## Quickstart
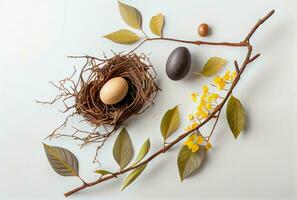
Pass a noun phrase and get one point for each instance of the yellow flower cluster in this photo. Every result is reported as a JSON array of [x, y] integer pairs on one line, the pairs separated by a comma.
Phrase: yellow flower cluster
[[195, 141], [206, 102], [192, 126], [204, 107], [220, 82]]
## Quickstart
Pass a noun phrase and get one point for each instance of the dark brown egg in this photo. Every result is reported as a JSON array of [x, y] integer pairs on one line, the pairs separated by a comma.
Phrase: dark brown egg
[[178, 63]]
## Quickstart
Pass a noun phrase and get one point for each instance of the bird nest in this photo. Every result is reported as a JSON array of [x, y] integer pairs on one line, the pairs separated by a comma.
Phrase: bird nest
[[84, 90]]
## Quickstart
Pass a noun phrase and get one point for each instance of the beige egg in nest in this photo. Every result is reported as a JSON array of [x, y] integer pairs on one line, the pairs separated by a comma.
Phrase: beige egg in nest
[[115, 89]]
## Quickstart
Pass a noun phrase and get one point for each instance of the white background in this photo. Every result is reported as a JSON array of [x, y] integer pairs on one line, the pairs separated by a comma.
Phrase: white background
[[37, 36]]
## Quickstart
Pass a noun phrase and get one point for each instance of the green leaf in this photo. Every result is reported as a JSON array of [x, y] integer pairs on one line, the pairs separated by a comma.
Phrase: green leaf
[[143, 151], [133, 175], [123, 36], [61, 160], [235, 116], [170, 122], [103, 172], [123, 149], [130, 15], [156, 24], [188, 162], [212, 66]]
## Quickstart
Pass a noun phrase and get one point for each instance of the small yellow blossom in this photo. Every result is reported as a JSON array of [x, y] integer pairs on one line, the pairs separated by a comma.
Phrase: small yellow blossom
[[212, 97], [205, 89], [203, 97], [219, 82], [191, 142], [188, 128], [203, 114], [227, 76], [200, 107], [194, 147], [194, 97], [208, 146], [233, 75], [192, 126], [200, 139], [196, 114], [191, 117], [188, 142], [208, 106]]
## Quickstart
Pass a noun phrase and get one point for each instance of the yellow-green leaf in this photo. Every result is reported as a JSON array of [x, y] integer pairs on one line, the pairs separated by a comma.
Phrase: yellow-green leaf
[[123, 149], [123, 36], [143, 151], [156, 24], [235, 115], [62, 160], [133, 175], [213, 66], [103, 172], [188, 162], [130, 15], [170, 122]]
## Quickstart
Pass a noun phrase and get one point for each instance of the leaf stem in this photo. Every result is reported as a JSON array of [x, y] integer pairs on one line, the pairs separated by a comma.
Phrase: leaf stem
[[215, 124], [248, 59], [145, 35]]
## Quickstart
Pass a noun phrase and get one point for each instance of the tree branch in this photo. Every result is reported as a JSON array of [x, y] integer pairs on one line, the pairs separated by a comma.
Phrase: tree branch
[[247, 60]]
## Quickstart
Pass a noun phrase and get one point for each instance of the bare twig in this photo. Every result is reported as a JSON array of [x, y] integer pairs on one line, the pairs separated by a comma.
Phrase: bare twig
[[236, 66], [254, 58], [214, 125]]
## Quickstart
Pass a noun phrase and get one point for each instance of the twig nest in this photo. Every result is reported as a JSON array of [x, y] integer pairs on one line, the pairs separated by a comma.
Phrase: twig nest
[[114, 90]]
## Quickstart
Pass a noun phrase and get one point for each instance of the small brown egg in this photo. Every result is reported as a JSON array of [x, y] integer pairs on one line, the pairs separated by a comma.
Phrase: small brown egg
[[203, 30], [113, 91]]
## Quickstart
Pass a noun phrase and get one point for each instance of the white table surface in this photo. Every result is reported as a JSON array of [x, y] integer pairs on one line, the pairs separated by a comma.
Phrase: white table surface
[[35, 38]]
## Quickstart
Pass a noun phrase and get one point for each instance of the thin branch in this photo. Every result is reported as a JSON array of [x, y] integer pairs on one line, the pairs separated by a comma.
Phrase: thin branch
[[88, 57], [236, 66], [260, 22], [194, 42], [254, 58], [214, 126]]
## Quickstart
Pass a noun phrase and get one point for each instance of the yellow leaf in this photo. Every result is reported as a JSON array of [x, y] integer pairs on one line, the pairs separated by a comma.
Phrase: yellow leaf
[[188, 161], [103, 172], [123, 36], [130, 15], [123, 149], [235, 116], [170, 122], [156, 24], [62, 160], [133, 175], [212, 66], [143, 151]]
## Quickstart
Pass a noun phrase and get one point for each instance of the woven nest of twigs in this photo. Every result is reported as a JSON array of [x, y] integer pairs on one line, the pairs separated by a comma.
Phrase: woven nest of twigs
[[135, 70], [83, 89]]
